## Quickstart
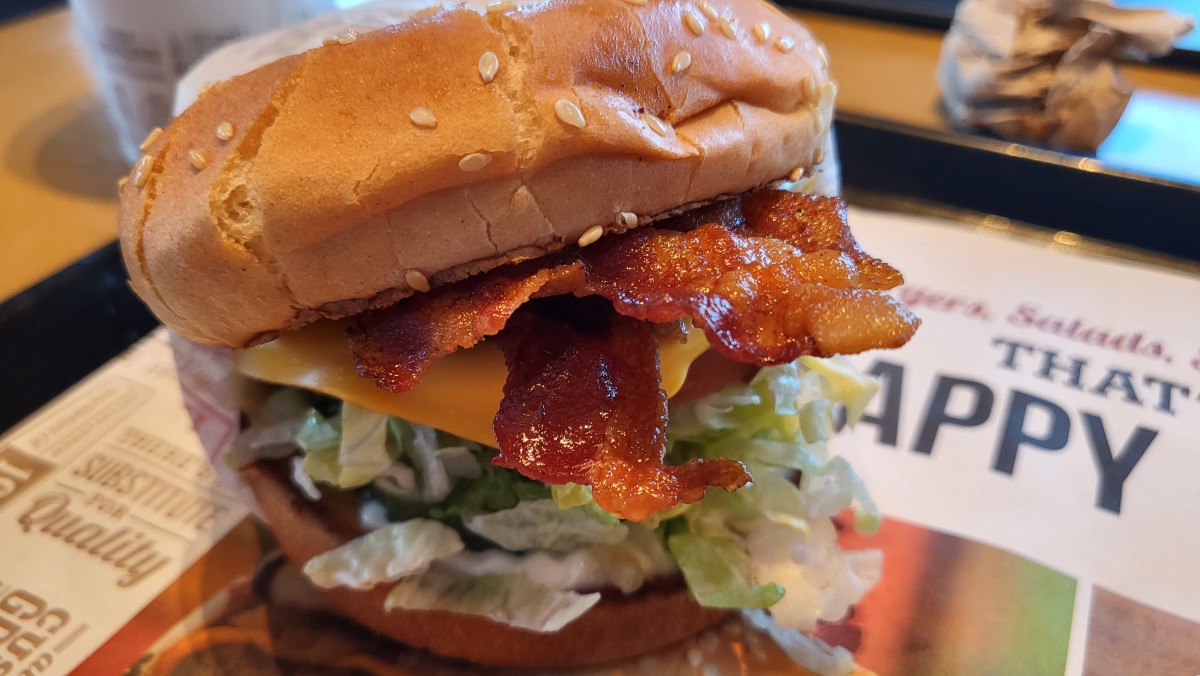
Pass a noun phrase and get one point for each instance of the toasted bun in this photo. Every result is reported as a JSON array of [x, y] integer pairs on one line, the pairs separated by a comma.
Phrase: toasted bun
[[618, 627], [328, 194]]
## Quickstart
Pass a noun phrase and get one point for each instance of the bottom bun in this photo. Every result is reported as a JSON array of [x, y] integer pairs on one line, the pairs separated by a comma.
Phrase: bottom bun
[[618, 627]]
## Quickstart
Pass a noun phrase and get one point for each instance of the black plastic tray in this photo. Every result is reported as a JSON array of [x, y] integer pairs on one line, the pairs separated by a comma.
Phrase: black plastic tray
[[1059, 191]]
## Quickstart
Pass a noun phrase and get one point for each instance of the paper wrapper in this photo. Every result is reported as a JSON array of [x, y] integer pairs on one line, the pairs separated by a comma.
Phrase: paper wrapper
[[1043, 70], [210, 394]]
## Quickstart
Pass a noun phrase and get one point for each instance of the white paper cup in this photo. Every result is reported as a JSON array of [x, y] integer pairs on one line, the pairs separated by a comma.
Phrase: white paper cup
[[139, 48]]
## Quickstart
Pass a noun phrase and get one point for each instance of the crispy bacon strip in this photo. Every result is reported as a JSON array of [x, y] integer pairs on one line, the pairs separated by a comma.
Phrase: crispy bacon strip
[[812, 223], [588, 409], [395, 347], [759, 300], [778, 278]]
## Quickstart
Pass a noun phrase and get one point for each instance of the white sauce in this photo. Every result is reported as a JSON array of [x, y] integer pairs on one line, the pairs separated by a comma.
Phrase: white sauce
[[626, 566]]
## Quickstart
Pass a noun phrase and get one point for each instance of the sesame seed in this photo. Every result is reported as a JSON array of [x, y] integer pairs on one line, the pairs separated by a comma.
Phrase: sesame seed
[[785, 44], [626, 220], [637, 3], [681, 62], [654, 123], [199, 160], [823, 135], [422, 117], [329, 41], [417, 280], [349, 36], [726, 27], [121, 182], [828, 92], [489, 63], [693, 22], [150, 139], [141, 173], [762, 32], [500, 7], [796, 174], [818, 155], [569, 113], [591, 235], [225, 131], [474, 161], [430, 11], [708, 10], [808, 88]]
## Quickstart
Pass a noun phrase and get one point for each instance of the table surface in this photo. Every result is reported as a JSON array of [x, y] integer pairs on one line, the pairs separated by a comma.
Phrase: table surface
[[61, 161]]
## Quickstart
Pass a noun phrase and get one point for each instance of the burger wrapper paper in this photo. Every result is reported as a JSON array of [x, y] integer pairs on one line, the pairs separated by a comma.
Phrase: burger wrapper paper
[[210, 388], [1044, 70]]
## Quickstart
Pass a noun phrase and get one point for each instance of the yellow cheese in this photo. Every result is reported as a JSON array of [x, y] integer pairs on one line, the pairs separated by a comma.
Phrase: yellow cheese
[[460, 393]]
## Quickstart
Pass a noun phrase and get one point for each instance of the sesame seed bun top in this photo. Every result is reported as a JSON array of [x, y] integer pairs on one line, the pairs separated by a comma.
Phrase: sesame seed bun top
[[384, 164]]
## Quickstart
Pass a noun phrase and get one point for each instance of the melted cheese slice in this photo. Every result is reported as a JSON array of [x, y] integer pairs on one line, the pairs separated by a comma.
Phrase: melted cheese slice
[[460, 393]]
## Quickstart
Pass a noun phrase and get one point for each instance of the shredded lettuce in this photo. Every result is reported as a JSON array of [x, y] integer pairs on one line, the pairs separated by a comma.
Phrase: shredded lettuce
[[361, 455], [719, 574], [780, 421], [303, 481], [355, 446], [513, 599], [316, 434], [434, 468], [571, 495], [847, 385], [775, 534], [419, 445], [770, 545], [460, 462], [542, 524], [389, 553], [494, 489], [821, 583], [575, 495], [273, 430]]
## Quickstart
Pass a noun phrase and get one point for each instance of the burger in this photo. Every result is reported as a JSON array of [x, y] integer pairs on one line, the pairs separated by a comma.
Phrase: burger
[[535, 324]]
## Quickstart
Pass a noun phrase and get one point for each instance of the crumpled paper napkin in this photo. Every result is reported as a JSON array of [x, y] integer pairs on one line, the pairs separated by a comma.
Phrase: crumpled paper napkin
[[1043, 70]]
